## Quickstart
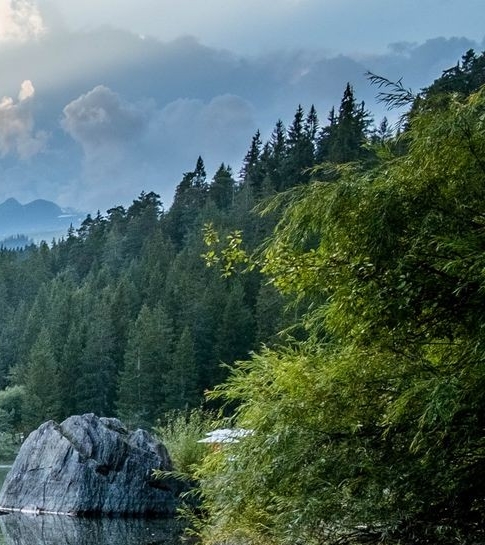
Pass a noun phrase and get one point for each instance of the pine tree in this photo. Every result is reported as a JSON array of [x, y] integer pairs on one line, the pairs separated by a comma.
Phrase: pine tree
[[182, 378], [42, 401], [325, 138], [275, 164], [95, 388], [148, 359], [235, 335], [252, 171], [222, 189], [190, 197], [349, 134], [300, 153]]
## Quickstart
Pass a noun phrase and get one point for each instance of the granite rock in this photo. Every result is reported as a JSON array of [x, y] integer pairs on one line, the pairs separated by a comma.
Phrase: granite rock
[[89, 466]]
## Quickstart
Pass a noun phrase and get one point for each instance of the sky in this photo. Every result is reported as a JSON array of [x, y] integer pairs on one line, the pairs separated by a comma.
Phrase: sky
[[104, 99]]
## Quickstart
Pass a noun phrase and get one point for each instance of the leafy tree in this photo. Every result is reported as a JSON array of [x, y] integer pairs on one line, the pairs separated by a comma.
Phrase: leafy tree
[[376, 425], [12, 400]]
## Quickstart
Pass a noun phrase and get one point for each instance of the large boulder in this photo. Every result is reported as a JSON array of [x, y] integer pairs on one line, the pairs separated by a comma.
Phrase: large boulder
[[87, 466]]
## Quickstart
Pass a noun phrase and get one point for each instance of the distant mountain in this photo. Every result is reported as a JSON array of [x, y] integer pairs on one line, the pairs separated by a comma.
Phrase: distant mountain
[[39, 219]]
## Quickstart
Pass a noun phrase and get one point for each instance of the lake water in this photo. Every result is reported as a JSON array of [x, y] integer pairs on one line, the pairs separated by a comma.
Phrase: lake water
[[23, 529]]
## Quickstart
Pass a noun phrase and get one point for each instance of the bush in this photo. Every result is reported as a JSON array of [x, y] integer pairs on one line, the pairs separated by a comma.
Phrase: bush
[[180, 434]]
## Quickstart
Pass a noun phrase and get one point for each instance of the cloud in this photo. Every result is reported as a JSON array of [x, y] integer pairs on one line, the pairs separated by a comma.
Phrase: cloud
[[126, 114], [20, 20], [133, 146], [17, 134], [101, 120], [252, 26], [192, 127]]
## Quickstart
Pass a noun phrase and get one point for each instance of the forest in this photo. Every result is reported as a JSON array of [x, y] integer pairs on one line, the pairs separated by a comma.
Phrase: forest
[[329, 297]]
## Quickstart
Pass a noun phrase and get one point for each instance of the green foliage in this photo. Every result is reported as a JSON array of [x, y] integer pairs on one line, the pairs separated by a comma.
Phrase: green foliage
[[8, 446], [373, 412], [148, 359], [182, 377], [180, 433], [12, 399], [377, 419], [41, 401]]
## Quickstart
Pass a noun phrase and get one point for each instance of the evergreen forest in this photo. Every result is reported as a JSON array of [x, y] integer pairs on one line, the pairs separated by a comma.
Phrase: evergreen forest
[[329, 297]]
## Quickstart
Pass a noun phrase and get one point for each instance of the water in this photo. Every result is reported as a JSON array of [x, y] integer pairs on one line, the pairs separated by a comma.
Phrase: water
[[24, 529]]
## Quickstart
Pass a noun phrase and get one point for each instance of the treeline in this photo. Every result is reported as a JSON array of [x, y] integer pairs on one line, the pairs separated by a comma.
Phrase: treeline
[[122, 317]]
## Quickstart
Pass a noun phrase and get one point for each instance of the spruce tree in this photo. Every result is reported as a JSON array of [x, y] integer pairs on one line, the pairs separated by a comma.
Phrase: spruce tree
[[142, 386], [182, 378], [42, 396]]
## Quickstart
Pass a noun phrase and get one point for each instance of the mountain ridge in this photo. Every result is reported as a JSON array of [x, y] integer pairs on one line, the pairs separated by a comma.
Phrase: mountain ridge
[[36, 218]]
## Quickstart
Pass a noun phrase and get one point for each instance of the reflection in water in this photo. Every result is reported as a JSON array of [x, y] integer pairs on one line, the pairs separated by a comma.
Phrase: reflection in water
[[23, 529]]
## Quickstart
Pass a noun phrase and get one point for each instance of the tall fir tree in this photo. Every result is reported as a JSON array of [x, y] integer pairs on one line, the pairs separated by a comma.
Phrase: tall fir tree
[[148, 358], [181, 383], [42, 395]]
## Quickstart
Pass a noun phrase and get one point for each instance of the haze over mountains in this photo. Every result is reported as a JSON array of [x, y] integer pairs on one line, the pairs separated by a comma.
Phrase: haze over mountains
[[39, 219]]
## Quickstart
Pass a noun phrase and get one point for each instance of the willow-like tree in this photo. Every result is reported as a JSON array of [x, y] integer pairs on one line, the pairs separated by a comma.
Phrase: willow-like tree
[[376, 420]]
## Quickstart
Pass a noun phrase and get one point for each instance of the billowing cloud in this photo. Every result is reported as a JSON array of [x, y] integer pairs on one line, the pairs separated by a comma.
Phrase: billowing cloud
[[218, 130], [130, 147], [100, 120], [126, 114], [20, 20], [17, 134]]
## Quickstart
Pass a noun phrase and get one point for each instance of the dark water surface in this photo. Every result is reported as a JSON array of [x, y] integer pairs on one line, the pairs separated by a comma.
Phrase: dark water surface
[[24, 529]]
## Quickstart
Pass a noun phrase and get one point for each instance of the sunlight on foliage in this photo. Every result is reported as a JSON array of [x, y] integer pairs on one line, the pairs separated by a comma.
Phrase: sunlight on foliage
[[379, 422]]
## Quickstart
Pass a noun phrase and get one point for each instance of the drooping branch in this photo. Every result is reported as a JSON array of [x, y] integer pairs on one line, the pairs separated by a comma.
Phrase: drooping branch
[[393, 93]]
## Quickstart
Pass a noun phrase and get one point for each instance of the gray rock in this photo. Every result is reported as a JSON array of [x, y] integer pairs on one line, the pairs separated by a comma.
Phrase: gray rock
[[86, 466]]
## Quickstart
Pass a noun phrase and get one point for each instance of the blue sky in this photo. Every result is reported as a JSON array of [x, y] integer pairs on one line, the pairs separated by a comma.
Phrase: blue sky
[[103, 99]]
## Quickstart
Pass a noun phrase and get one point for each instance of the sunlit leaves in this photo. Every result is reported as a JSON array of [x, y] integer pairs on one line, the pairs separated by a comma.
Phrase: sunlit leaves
[[377, 417]]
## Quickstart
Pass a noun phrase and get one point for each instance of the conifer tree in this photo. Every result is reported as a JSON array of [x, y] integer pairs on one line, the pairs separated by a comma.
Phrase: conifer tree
[[349, 134], [190, 198], [300, 153], [42, 396], [95, 388], [148, 359], [222, 189], [182, 377]]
